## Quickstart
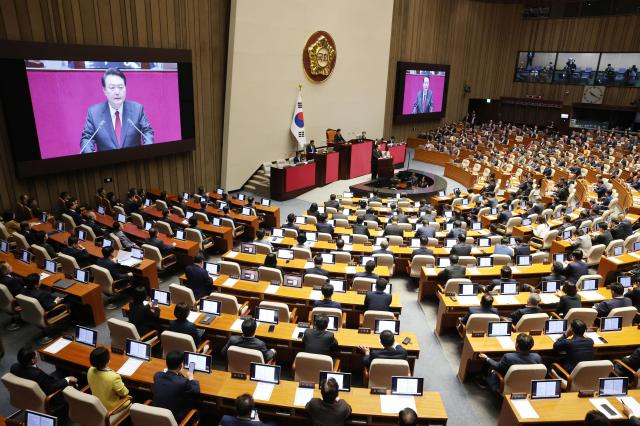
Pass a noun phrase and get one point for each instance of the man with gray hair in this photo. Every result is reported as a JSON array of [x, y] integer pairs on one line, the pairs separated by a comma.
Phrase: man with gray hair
[[532, 307]]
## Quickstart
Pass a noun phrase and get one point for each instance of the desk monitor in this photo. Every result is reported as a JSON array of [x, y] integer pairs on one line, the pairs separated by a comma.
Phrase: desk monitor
[[81, 275], [147, 225], [499, 328], [442, 194], [211, 307], [566, 234], [448, 227], [618, 250], [465, 201], [346, 212], [443, 262], [484, 242], [448, 214], [613, 386], [179, 235], [4, 246], [285, 254], [544, 389], [147, 202], [267, 315], [248, 248], [328, 258], [494, 210], [401, 385], [611, 324], [219, 191], [32, 418], [212, 268], [391, 325], [555, 326], [201, 362], [246, 211], [264, 373], [86, 336], [121, 218], [333, 321], [523, 261], [509, 288], [162, 297], [550, 286], [25, 256], [222, 205], [387, 289], [476, 226], [365, 259], [346, 238], [512, 241], [290, 280], [216, 221], [450, 242], [249, 274], [277, 232], [311, 236], [339, 286], [137, 349], [59, 226], [467, 289], [379, 240], [82, 235], [50, 266], [331, 222], [241, 196], [485, 262], [185, 196], [636, 246], [415, 243], [137, 253], [526, 222], [265, 202], [560, 257], [300, 220], [107, 242], [625, 280], [347, 195], [101, 210], [343, 379], [590, 284], [558, 214]]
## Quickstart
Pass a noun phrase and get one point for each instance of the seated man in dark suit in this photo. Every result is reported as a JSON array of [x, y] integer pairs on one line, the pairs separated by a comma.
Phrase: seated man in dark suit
[[359, 227], [618, 301], [26, 368], [504, 214], [154, 241], [144, 317], [425, 230], [32, 289], [388, 352], [371, 215], [523, 355], [369, 267], [182, 325], [77, 251], [326, 302], [532, 307], [452, 271], [461, 248], [332, 202], [521, 248], [132, 205], [319, 340], [604, 237], [244, 410], [330, 410], [72, 206], [248, 340], [378, 300], [198, 279], [402, 218], [317, 267], [14, 284], [291, 219], [424, 248], [573, 350], [90, 221], [632, 361], [323, 226], [556, 273], [576, 268], [457, 231], [174, 389], [393, 228], [384, 248], [117, 272], [486, 307], [166, 219]]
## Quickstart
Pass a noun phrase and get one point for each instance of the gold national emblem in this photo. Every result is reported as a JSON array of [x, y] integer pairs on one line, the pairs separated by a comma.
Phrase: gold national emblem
[[319, 56]]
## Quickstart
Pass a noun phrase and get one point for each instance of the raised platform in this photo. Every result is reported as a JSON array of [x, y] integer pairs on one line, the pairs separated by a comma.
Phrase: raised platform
[[402, 183]]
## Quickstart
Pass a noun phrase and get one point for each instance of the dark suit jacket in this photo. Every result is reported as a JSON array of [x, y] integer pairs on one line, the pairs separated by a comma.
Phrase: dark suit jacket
[[574, 350], [451, 271], [366, 274], [164, 248], [397, 352], [517, 314], [327, 304], [393, 229], [143, 317], [328, 414], [514, 358], [81, 256], [420, 106], [360, 229], [174, 392], [186, 327], [421, 251], [604, 238], [14, 284], [198, 280], [248, 343], [48, 383], [522, 250], [317, 271], [478, 310], [45, 298], [117, 272], [325, 227], [425, 231], [574, 270], [568, 302], [319, 342], [461, 249], [105, 138], [131, 206], [606, 306], [377, 301]]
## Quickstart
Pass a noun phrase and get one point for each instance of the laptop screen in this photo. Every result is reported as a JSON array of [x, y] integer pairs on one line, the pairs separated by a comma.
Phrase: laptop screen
[[407, 385], [343, 379], [137, 253], [285, 254], [241, 197], [101, 210], [590, 284], [216, 221], [526, 222], [328, 258], [347, 195], [509, 288], [476, 226], [82, 235], [555, 326], [121, 218], [449, 242], [138, 350], [179, 234], [499, 328], [333, 322], [346, 238], [200, 362], [86, 336], [560, 257], [311, 236], [625, 280], [485, 262], [264, 373], [50, 266], [107, 242], [81, 275], [246, 211], [300, 220], [267, 315], [277, 232], [391, 325], [484, 242], [524, 261], [550, 286], [443, 262], [541, 389], [32, 418], [613, 386], [387, 289], [248, 248], [4, 246], [467, 289], [211, 307], [566, 234], [265, 202], [162, 297], [212, 268], [249, 274], [147, 225], [292, 280], [415, 242], [339, 286], [617, 251], [365, 259], [611, 324]]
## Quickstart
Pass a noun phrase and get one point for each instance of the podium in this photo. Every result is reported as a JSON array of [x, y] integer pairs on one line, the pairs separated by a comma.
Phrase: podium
[[385, 167]]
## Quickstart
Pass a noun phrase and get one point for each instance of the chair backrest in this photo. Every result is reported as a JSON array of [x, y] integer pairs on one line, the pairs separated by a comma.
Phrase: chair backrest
[[362, 284], [192, 234], [239, 359], [143, 415], [384, 259], [586, 374], [69, 223], [182, 294], [342, 223], [371, 224], [309, 366], [163, 228], [228, 303], [91, 236], [530, 322], [595, 253], [229, 268], [587, 277], [282, 308], [360, 239], [539, 257], [501, 259], [396, 240], [342, 256], [24, 394], [161, 205], [229, 223], [153, 253], [628, 314], [103, 277], [4, 233], [137, 220], [177, 210], [20, 240], [612, 245], [629, 242], [480, 322], [270, 274], [303, 253], [313, 280], [262, 248], [323, 236], [548, 239], [452, 285], [172, 341], [330, 312], [312, 220], [39, 253], [116, 241], [381, 371], [84, 408], [586, 315], [6, 300], [290, 233], [418, 262], [514, 221], [32, 311], [120, 331], [467, 261], [369, 318], [518, 378]]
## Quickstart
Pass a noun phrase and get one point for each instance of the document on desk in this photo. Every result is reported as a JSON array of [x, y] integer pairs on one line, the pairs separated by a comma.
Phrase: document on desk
[[469, 300], [473, 270], [347, 247], [57, 346], [591, 296], [593, 336], [237, 325], [315, 295], [515, 270], [554, 337], [632, 403], [303, 395], [130, 367], [263, 391], [232, 254], [392, 404], [524, 409], [229, 282], [308, 265], [548, 298], [193, 316], [276, 240], [351, 270], [506, 300], [43, 275], [506, 342], [131, 262], [272, 289], [600, 403]]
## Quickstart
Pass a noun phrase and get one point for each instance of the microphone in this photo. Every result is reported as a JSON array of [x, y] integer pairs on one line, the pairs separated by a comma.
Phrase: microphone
[[92, 136], [139, 131]]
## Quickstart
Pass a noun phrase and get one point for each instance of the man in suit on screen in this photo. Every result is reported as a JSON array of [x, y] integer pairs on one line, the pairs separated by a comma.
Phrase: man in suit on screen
[[116, 123], [424, 99]]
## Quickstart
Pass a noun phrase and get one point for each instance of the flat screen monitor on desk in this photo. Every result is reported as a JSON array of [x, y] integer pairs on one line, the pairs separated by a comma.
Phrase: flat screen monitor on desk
[[510, 288], [443, 262], [290, 280], [499, 328], [523, 261], [391, 325], [544, 389], [550, 286], [485, 262], [611, 324], [137, 349], [339, 286], [401, 385], [613, 386], [555, 326], [264, 373], [625, 280], [270, 316], [343, 379], [32, 418], [590, 284], [201, 362], [86, 336], [211, 307], [467, 289], [484, 242]]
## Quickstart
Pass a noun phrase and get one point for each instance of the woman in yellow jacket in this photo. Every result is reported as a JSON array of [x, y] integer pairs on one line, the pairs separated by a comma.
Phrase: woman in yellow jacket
[[105, 383]]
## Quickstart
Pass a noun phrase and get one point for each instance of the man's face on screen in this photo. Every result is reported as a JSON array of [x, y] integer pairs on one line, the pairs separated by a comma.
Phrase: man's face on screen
[[425, 84], [115, 90]]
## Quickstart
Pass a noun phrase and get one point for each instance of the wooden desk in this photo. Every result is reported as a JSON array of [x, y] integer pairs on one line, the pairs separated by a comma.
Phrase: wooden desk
[[185, 250], [290, 181], [610, 266], [433, 157], [218, 387], [89, 294], [458, 174], [619, 343]]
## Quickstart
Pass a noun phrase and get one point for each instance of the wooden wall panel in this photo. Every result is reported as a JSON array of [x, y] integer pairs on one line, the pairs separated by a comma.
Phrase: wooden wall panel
[[199, 25], [480, 41]]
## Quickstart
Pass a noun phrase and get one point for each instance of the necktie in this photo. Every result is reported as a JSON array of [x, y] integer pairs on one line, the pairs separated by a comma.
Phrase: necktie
[[118, 127], [424, 100]]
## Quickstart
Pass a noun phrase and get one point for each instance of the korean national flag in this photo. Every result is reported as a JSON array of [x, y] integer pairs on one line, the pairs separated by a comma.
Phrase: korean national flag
[[297, 123]]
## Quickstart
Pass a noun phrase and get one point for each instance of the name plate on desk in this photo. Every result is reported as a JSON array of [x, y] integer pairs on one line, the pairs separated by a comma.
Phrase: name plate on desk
[[378, 391], [477, 334], [240, 376], [363, 330]]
